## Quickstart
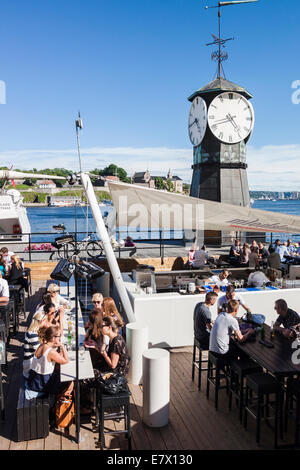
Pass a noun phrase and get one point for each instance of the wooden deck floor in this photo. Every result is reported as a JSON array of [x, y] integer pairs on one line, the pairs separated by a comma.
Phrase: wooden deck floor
[[194, 422]]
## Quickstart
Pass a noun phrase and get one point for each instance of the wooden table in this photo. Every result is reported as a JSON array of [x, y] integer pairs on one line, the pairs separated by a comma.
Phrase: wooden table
[[277, 360]]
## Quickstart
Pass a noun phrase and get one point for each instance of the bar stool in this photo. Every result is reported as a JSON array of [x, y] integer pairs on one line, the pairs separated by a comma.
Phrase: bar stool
[[218, 368], [239, 369], [293, 393], [263, 385], [198, 362], [121, 401]]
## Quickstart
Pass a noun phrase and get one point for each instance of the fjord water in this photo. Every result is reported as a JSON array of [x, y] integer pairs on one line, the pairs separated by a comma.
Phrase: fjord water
[[42, 219]]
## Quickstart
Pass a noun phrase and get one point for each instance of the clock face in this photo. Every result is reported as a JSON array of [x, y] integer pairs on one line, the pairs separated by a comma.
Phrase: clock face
[[197, 120], [230, 117]]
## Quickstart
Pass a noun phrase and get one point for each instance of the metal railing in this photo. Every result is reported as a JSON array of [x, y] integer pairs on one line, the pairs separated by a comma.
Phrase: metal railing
[[144, 242]]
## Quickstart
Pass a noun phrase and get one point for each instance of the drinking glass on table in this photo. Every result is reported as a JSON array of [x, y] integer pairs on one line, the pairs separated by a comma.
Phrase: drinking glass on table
[[81, 352]]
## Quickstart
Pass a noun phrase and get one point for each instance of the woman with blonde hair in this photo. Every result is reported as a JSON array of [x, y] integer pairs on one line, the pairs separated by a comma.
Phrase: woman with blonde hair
[[56, 298], [43, 378], [16, 273], [31, 341], [110, 310]]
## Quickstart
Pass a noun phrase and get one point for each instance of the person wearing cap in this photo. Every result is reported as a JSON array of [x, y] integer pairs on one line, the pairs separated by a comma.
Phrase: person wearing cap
[[231, 295]]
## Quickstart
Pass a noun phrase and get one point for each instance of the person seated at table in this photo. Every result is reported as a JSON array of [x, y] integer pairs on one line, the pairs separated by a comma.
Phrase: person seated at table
[[4, 289], [54, 317], [253, 257], [234, 253], [254, 244], [6, 254], [191, 255], [43, 377], [231, 295], [116, 355], [258, 278], [202, 319], [281, 249], [56, 298], [45, 300], [244, 255], [262, 251], [220, 279], [110, 310], [129, 242], [3, 266], [200, 257], [291, 247], [223, 328], [31, 340], [273, 259], [93, 337], [287, 317], [16, 273], [97, 300]]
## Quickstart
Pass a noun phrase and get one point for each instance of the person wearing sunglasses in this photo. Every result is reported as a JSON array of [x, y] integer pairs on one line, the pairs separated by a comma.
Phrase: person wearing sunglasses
[[43, 378], [56, 298], [116, 355]]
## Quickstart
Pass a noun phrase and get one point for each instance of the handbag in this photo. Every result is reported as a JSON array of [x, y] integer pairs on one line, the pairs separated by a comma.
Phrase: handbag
[[112, 383], [64, 411]]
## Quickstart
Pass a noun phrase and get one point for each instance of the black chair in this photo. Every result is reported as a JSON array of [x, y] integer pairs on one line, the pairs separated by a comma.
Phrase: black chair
[[218, 369], [197, 363], [3, 337], [27, 276], [2, 407], [263, 385], [239, 369], [121, 402]]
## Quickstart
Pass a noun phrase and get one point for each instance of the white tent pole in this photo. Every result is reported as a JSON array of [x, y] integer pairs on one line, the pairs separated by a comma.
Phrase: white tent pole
[[102, 232]]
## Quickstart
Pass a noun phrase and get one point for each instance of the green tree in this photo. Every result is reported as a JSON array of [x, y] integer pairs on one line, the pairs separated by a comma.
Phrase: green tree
[[159, 183], [169, 185]]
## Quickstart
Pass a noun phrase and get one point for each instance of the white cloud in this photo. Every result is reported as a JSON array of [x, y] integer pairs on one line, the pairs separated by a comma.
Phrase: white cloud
[[274, 168], [269, 167], [157, 160]]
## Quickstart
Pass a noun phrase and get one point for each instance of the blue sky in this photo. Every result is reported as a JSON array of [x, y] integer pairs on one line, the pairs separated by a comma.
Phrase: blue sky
[[129, 66]]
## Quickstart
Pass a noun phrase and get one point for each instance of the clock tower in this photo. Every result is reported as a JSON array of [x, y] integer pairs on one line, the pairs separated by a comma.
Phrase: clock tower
[[221, 120], [220, 124]]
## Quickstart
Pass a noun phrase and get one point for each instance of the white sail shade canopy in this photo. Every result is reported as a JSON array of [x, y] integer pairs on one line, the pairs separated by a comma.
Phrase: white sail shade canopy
[[151, 208]]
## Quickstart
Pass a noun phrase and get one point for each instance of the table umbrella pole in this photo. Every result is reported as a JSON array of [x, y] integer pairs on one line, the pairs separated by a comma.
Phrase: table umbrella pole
[[77, 388]]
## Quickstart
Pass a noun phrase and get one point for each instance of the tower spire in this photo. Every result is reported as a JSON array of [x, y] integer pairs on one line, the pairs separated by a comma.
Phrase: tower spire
[[219, 55]]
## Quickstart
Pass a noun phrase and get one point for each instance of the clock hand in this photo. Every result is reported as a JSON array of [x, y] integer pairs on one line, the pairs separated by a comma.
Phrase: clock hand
[[236, 127], [221, 121], [195, 122]]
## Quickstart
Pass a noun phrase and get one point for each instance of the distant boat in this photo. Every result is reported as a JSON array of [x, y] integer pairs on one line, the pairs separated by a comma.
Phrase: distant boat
[[274, 200]]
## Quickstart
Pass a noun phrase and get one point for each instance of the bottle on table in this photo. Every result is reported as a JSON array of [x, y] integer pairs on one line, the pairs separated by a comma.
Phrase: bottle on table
[[262, 331], [272, 331]]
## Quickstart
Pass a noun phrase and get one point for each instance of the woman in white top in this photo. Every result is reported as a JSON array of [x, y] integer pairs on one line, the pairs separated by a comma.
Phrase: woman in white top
[[31, 341], [42, 379], [57, 299]]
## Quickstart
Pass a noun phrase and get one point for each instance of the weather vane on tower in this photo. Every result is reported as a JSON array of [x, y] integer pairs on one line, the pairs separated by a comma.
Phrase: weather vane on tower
[[220, 55]]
